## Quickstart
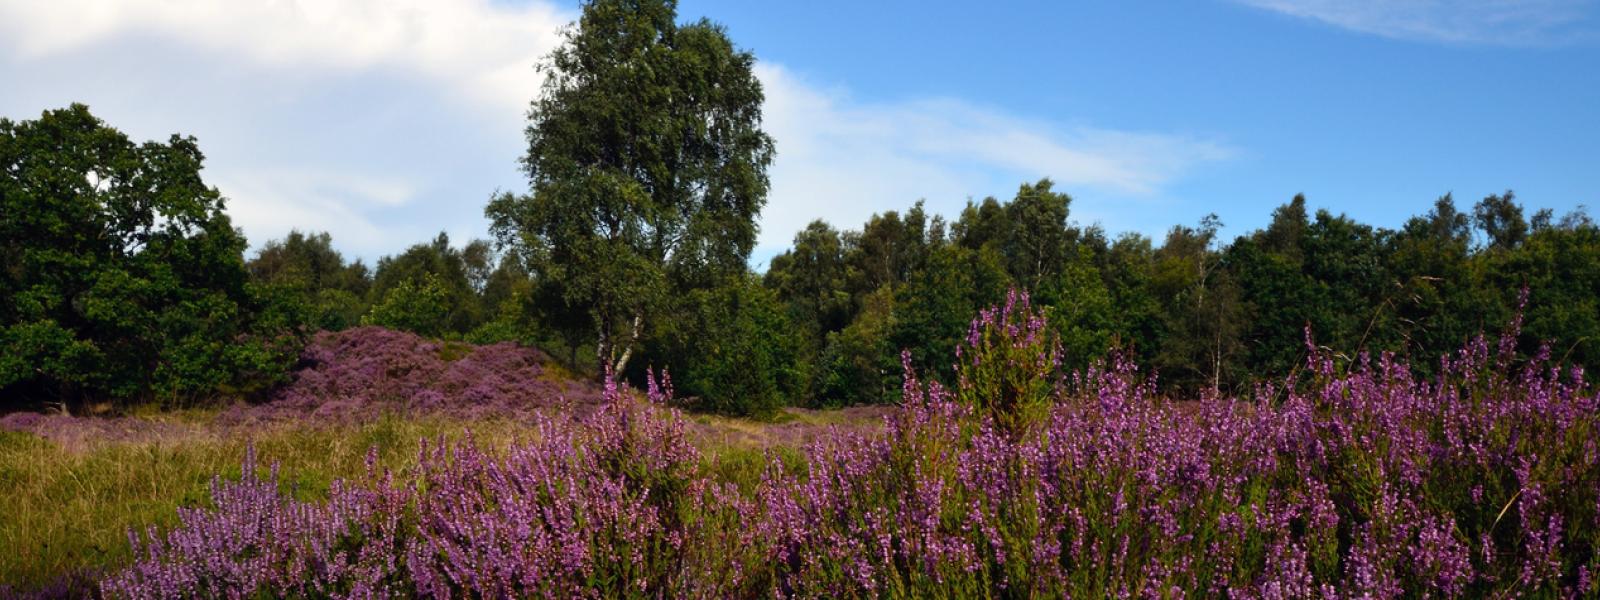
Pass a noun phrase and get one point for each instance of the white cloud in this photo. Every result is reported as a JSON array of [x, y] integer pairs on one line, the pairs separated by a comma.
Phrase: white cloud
[[1508, 22], [275, 206], [842, 160], [487, 49]]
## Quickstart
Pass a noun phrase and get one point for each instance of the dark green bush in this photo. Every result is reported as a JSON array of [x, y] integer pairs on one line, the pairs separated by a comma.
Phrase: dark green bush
[[122, 278]]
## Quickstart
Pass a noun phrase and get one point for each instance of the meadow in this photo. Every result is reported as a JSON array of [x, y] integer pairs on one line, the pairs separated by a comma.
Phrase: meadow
[[1017, 479]]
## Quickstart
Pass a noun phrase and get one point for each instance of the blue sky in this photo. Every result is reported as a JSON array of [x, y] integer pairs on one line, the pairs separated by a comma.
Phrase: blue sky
[[384, 121]]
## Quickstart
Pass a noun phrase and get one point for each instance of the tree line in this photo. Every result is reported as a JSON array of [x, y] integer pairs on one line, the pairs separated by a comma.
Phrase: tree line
[[1204, 313], [131, 285], [124, 280], [826, 323]]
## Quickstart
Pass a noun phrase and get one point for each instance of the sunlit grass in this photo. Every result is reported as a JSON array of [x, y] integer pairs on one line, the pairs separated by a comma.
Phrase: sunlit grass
[[69, 508]]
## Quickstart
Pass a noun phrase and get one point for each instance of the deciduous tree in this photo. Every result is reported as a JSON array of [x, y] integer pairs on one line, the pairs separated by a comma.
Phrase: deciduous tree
[[647, 166]]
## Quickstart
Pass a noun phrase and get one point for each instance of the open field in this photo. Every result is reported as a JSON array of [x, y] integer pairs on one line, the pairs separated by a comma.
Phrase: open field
[[71, 501], [76, 486]]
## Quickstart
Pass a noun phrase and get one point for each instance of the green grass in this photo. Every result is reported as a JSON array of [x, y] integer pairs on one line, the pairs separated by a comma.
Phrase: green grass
[[69, 509]]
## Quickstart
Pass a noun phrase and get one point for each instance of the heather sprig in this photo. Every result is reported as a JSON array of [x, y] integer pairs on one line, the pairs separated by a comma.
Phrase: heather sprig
[[1009, 364]]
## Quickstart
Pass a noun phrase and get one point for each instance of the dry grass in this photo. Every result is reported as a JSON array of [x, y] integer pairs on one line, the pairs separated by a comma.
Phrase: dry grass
[[70, 508], [69, 503]]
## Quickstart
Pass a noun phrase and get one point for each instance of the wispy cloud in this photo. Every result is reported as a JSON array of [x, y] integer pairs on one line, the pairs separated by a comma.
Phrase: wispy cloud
[[1504, 22], [843, 159], [484, 48], [286, 200]]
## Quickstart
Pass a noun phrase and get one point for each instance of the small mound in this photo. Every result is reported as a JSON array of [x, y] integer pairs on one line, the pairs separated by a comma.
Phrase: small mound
[[369, 370]]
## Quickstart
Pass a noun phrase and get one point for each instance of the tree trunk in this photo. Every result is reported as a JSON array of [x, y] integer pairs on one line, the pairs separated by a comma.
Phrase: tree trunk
[[602, 352], [606, 349], [633, 338], [1216, 365]]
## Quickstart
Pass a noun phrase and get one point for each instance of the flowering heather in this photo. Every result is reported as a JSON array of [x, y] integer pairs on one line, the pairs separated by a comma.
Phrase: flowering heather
[[1361, 481], [613, 504], [1008, 365], [258, 540], [371, 369]]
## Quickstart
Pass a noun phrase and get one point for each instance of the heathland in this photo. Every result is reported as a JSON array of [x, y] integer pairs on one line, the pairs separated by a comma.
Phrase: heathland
[[605, 399]]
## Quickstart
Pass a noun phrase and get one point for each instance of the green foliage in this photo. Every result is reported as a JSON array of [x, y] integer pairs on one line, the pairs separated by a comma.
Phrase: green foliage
[[858, 365], [1436, 281], [459, 275], [1206, 313], [983, 224], [647, 164], [1560, 267], [935, 306], [509, 290], [1270, 268], [886, 250], [1084, 316], [336, 309], [736, 351], [813, 276], [1500, 218], [510, 324], [1036, 244], [1201, 307], [1128, 270], [123, 278], [416, 306]]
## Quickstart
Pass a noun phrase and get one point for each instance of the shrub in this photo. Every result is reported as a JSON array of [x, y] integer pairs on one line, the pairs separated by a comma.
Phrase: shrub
[[257, 541], [122, 276], [510, 322], [737, 352], [367, 371], [1009, 365], [1368, 484], [612, 505]]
